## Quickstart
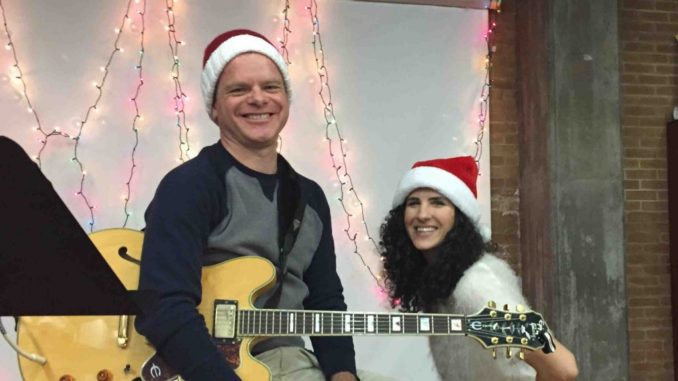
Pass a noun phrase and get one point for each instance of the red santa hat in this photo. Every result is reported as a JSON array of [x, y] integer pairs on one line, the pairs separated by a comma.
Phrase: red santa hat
[[229, 45], [455, 178]]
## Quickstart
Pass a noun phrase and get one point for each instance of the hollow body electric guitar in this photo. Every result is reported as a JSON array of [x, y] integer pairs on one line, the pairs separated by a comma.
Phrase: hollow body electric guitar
[[107, 348]]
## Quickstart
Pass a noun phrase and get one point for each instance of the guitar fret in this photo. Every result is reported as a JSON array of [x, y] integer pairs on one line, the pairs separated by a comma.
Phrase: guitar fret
[[410, 324], [290, 325], [276, 322], [347, 323], [308, 322], [395, 324], [270, 319], [357, 323], [283, 321], [424, 324], [270, 322]]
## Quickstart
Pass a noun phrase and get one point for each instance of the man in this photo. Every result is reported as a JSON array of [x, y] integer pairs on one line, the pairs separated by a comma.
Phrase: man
[[222, 205]]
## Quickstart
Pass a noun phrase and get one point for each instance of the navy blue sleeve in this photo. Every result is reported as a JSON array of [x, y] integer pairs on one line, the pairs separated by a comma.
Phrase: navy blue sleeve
[[178, 224], [335, 354]]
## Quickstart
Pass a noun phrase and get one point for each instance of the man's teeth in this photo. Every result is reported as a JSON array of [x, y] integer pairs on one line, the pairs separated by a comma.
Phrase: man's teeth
[[426, 229], [258, 116]]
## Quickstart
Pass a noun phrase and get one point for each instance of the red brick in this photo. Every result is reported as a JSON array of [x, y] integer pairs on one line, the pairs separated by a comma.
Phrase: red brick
[[641, 153], [667, 6], [639, 90], [640, 174], [653, 184], [632, 184], [640, 195], [653, 16], [651, 206], [666, 69], [636, 46], [638, 4]]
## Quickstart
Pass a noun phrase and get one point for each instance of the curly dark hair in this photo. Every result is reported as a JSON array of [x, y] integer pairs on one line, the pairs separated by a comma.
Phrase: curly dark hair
[[412, 282]]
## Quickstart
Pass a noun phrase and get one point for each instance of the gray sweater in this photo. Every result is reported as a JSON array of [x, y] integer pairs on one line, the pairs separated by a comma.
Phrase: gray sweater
[[213, 208]]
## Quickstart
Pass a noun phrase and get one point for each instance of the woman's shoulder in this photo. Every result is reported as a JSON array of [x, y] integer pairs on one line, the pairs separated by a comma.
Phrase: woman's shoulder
[[489, 278]]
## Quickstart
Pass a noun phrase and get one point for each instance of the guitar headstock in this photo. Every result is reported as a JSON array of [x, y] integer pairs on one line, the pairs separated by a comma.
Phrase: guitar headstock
[[495, 328]]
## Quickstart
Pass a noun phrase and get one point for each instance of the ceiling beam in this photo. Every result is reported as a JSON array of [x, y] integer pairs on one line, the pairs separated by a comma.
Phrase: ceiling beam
[[474, 4]]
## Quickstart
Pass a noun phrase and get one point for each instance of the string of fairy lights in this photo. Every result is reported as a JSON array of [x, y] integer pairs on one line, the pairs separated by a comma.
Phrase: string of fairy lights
[[77, 138], [336, 143], [180, 97], [485, 91], [286, 30], [19, 75], [340, 167], [99, 85], [137, 116]]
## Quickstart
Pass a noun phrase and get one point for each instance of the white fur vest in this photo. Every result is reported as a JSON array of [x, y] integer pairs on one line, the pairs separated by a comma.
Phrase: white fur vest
[[463, 358]]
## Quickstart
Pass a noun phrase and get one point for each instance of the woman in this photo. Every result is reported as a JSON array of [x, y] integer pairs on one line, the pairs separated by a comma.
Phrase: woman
[[438, 258]]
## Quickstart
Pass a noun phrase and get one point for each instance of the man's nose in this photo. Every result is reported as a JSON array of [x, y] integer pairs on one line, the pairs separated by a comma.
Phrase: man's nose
[[257, 96]]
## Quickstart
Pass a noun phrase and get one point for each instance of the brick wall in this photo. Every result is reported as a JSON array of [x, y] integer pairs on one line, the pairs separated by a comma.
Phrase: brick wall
[[504, 139], [649, 77]]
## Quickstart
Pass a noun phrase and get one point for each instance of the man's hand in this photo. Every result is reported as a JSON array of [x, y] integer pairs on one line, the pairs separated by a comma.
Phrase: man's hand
[[343, 376]]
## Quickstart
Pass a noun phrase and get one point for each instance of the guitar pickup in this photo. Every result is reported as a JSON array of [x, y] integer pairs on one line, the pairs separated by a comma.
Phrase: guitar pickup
[[225, 320]]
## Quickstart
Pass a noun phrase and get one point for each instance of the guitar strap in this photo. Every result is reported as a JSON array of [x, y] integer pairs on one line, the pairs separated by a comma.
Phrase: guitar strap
[[289, 198]]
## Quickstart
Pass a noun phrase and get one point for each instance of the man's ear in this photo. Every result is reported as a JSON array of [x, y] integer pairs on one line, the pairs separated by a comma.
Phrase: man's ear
[[213, 114]]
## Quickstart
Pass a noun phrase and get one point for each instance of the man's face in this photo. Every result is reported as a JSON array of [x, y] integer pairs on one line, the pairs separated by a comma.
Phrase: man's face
[[250, 102]]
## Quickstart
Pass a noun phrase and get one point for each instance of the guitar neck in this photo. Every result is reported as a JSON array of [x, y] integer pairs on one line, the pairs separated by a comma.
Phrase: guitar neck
[[340, 323]]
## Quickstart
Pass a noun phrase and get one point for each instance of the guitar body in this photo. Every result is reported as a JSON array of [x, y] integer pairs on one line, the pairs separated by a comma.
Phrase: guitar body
[[243, 280], [80, 347], [86, 347]]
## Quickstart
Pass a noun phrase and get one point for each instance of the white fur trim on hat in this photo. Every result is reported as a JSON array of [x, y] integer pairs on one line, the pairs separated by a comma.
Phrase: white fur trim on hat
[[228, 50], [446, 184]]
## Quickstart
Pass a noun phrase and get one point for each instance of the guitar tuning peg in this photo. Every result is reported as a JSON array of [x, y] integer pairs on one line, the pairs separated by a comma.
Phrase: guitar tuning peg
[[506, 307], [520, 308], [509, 352], [521, 354], [494, 354], [492, 304]]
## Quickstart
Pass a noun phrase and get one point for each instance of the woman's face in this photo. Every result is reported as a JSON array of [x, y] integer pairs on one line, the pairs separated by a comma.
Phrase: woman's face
[[429, 216]]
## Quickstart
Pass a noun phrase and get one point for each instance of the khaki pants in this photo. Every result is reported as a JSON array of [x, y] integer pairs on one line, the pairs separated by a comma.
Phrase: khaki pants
[[298, 364]]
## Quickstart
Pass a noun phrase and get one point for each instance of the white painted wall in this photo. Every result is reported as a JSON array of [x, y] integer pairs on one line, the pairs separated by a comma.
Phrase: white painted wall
[[405, 81]]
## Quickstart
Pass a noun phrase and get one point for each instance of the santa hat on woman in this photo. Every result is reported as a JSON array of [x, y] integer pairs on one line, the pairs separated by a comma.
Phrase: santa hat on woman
[[226, 47], [455, 178]]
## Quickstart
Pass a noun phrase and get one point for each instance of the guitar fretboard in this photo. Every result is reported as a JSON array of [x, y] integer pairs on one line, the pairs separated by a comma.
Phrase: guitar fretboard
[[324, 323]]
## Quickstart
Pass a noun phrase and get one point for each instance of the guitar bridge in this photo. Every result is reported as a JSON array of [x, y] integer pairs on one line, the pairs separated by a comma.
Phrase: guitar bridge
[[225, 320]]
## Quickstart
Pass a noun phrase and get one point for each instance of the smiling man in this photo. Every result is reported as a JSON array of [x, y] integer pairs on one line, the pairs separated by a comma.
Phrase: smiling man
[[235, 199]]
